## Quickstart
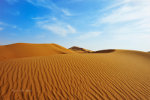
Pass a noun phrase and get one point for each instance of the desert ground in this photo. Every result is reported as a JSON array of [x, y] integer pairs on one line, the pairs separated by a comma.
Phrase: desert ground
[[52, 72]]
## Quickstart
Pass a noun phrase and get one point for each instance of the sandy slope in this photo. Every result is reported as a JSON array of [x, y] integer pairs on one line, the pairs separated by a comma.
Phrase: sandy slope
[[117, 75], [20, 50]]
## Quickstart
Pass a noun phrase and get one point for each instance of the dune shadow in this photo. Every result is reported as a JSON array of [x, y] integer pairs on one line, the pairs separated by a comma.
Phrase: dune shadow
[[105, 51], [63, 53]]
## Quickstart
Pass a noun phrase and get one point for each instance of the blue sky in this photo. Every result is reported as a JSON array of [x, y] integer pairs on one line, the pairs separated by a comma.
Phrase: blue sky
[[92, 24]]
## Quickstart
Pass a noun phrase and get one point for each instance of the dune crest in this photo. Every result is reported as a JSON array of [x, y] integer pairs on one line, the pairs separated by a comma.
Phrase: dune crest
[[20, 50]]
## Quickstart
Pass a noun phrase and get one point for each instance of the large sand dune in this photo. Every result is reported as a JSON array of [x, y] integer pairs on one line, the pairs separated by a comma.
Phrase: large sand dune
[[116, 75], [20, 50]]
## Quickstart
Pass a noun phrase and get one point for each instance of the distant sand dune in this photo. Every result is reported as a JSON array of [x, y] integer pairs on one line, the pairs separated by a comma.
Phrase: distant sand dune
[[80, 50], [119, 75], [20, 50]]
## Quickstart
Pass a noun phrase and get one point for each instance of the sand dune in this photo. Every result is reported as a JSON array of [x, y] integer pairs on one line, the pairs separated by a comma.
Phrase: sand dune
[[80, 50], [117, 75], [20, 50]]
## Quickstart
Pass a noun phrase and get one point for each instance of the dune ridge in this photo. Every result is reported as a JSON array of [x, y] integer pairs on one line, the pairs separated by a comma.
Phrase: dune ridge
[[118, 75], [20, 50]]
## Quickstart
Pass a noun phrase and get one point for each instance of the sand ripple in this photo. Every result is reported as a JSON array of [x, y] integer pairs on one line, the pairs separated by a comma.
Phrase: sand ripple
[[112, 76]]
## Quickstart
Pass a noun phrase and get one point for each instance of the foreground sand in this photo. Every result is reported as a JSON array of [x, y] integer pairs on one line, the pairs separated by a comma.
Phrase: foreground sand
[[117, 75]]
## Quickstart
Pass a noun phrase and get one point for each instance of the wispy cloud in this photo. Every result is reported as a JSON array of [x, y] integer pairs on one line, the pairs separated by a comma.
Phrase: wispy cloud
[[43, 3], [57, 27], [46, 18], [50, 5], [126, 22], [128, 17], [89, 35], [66, 12], [130, 10], [3, 24], [1, 28], [127, 13]]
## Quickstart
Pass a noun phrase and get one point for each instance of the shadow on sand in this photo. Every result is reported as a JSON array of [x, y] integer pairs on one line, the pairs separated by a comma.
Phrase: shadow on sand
[[105, 51]]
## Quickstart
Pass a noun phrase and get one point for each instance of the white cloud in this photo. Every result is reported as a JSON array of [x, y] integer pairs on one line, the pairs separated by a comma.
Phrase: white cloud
[[89, 35], [114, 5], [54, 18], [43, 3], [72, 30], [46, 18], [66, 12], [127, 13], [3, 24], [50, 5], [1, 28], [127, 22], [129, 17], [59, 28]]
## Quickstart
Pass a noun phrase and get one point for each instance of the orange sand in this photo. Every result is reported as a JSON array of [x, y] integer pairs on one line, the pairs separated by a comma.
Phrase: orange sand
[[116, 75], [20, 50]]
